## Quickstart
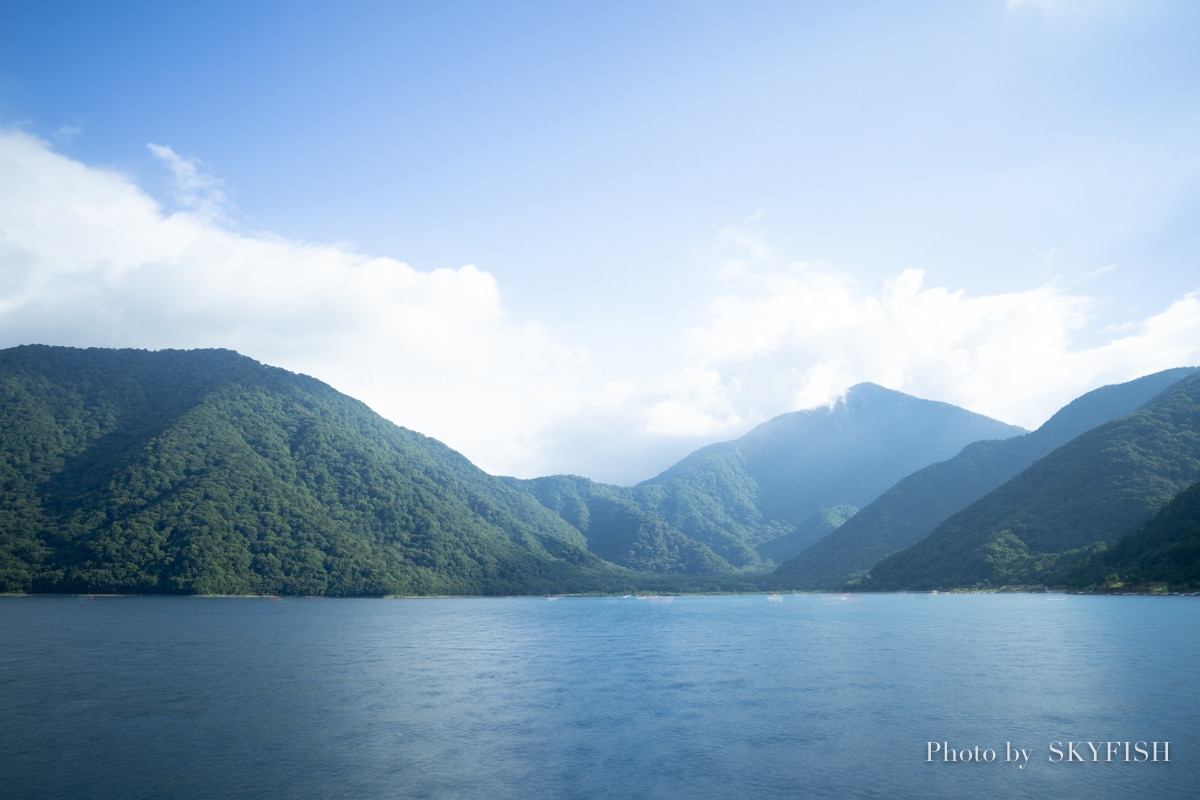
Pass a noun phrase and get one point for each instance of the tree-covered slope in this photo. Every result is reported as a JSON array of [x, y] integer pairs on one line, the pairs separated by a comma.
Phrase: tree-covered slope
[[1063, 509], [206, 472], [1164, 552], [619, 530], [913, 507]]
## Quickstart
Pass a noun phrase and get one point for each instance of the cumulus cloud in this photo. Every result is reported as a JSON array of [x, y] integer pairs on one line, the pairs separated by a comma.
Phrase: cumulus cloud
[[786, 335]]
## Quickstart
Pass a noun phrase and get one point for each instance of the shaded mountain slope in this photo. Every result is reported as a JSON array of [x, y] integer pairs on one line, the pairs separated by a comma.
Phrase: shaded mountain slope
[[775, 478], [854, 449], [813, 529], [913, 507], [206, 472], [1093, 490]]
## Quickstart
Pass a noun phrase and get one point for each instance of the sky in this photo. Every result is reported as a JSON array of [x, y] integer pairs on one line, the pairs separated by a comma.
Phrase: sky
[[590, 237]]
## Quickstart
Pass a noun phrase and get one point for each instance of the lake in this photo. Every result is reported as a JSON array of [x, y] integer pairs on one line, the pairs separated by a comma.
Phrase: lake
[[753, 696]]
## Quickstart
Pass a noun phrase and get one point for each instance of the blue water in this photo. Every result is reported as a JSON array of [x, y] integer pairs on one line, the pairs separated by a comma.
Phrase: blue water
[[699, 697]]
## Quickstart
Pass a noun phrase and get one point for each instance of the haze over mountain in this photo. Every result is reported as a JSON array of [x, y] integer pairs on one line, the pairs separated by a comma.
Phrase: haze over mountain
[[915, 505]]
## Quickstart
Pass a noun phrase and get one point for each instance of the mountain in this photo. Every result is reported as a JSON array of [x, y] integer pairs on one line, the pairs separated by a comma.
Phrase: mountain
[[751, 502], [207, 472], [913, 507], [1066, 508]]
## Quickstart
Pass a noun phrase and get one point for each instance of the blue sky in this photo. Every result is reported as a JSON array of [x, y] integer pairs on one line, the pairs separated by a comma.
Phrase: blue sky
[[590, 237]]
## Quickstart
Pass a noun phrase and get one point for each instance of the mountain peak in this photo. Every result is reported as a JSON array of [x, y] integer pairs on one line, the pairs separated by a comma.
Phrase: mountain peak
[[873, 391], [847, 452], [881, 399], [868, 386]]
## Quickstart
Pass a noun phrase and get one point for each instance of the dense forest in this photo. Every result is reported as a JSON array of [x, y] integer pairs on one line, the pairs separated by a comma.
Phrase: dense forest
[[205, 472]]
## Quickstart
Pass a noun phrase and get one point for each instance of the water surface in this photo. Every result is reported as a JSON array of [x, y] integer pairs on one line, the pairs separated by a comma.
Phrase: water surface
[[689, 697]]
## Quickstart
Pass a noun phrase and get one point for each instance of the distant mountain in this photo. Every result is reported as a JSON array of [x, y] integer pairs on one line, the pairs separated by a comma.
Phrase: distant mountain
[[207, 472], [773, 492], [1066, 508], [913, 507]]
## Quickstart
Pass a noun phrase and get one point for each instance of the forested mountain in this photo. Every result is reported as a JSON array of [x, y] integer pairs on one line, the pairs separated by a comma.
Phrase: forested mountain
[[1066, 508], [913, 507], [749, 503], [206, 472]]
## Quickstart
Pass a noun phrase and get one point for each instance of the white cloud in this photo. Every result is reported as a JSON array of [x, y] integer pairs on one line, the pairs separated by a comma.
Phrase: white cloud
[[1096, 273], [195, 187], [791, 335]]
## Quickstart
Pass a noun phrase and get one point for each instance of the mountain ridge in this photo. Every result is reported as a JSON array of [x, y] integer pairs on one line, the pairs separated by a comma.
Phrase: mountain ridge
[[916, 504], [1072, 503]]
